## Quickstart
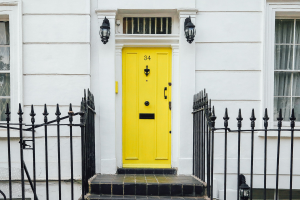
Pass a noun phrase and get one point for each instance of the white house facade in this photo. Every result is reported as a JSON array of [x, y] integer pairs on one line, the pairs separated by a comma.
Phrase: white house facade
[[245, 54]]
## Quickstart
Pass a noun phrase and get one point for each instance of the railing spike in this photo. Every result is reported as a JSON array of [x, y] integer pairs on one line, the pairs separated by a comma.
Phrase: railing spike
[[70, 107], [7, 109], [266, 117], [240, 115], [226, 115], [293, 115], [20, 110], [45, 110], [280, 115], [57, 110], [252, 115]]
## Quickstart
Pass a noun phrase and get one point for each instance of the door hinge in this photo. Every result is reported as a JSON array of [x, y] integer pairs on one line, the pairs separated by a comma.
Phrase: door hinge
[[170, 83], [170, 105]]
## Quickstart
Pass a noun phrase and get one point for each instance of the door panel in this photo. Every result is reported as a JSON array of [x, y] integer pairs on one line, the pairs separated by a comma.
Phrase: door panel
[[146, 142]]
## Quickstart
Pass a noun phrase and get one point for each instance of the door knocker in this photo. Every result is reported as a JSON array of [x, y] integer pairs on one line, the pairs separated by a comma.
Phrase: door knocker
[[147, 71]]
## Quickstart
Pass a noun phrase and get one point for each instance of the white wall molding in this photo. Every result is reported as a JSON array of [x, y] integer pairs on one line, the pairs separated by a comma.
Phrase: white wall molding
[[106, 13]]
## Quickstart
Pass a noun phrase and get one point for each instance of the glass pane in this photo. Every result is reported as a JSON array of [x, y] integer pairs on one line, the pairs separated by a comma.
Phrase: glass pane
[[283, 103], [4, 58], [124, 25], [4, 84], [284, 31], [4, 33], [283, 57], [152, 25], [297, 57], [129, 25], [296, 106], [141, 25], [297, 31], [169, 25], [282, 84], [3, 103], [147, 26], [135, 26], [296, 84]]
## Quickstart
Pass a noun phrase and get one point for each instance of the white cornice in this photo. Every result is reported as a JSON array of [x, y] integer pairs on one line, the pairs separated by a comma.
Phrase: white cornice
[[187, 11], [107, 13], [9, 3], [146, 40]]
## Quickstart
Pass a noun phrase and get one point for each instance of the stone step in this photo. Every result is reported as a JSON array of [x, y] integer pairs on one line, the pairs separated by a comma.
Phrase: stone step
[[147, 171], [146, 185], [127, 197]]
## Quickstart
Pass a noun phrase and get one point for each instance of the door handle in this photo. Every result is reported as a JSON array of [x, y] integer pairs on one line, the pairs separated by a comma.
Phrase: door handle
[[165, 92]]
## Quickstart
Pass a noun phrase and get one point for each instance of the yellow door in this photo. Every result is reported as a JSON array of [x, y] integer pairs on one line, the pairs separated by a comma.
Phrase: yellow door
[[146, 107]]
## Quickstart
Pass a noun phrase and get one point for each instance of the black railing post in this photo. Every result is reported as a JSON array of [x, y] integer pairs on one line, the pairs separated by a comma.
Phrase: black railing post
[[265, 118], [194, 134], [46, 150], [82, 127], [32, 114], [20, 113], [239, 125], [8, 150], [292, 118], [71, 113], [252, 118], [57, 113], [226, 118], [279, 124], [203, 133], [212, 118]]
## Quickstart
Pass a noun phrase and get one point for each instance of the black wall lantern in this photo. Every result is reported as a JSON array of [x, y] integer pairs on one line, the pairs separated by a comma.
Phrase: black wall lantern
[[244, 188], [105, 31], [189, 29]]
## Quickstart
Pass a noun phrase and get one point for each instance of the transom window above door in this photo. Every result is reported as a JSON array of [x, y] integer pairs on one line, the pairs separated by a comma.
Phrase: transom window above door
[[147, 25]]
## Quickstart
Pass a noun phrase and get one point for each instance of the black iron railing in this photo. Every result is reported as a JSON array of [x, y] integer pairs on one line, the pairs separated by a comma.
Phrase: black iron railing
[[87, 129], [203, 145]]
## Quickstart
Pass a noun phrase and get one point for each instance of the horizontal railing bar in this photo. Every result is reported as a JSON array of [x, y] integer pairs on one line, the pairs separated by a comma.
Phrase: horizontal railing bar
[[56, 125], [92, 109], [255, 129]]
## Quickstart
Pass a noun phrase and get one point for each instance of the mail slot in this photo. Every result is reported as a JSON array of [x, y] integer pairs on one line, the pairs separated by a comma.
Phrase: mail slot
[[147, 116]]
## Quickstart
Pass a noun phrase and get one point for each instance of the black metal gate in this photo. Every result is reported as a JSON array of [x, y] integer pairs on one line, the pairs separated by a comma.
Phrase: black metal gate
[[205, 132], [86, 127]]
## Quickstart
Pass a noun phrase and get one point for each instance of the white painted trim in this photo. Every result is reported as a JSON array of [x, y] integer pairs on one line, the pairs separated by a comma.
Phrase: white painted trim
[[272, 9], [13, 9]]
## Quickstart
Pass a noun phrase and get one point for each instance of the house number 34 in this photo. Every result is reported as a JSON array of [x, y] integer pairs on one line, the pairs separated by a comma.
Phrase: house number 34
[[147, 58]]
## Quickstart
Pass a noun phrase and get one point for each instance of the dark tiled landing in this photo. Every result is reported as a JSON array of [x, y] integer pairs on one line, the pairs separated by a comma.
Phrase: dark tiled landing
[[146, 171], [147, 184], [101, 197]]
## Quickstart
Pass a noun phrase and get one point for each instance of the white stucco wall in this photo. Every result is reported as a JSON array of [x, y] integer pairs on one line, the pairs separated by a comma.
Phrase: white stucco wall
[[63, 54]]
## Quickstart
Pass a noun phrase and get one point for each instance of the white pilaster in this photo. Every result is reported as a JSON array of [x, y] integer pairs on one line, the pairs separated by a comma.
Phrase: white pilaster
[[107, 95], [119, 125], [175, 105], [186, 91]]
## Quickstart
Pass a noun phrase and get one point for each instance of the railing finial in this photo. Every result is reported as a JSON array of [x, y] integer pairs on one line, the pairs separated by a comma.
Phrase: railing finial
[[293, 118], [7, 112], [45, 113], [32, 114], [252, 118], [280, 118], [266, 118]]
